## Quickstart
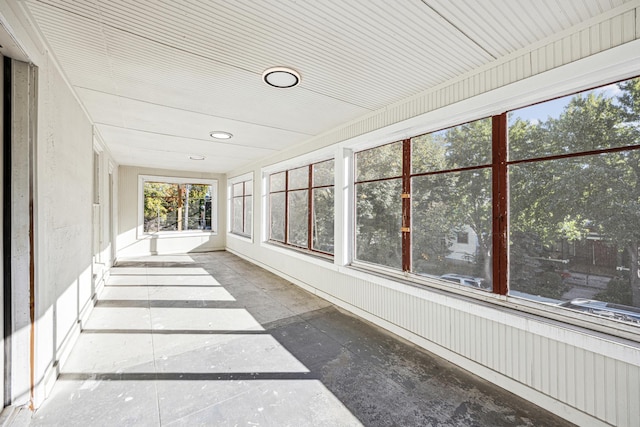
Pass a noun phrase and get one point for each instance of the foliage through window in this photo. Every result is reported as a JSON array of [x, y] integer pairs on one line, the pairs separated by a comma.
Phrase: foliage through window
[[575, 201], [541, 203], [434, 187], [301, 203], [176, 207]]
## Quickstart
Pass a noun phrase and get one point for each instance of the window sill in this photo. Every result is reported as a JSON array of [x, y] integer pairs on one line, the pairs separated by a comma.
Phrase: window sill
[[243, 237], [176, 234], [299, 253]]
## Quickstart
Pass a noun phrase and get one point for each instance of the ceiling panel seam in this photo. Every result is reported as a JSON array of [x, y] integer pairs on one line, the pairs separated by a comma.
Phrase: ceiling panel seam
[[485, 50]]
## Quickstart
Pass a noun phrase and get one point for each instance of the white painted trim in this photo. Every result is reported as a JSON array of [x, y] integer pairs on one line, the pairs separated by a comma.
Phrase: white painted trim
[[140, 234]]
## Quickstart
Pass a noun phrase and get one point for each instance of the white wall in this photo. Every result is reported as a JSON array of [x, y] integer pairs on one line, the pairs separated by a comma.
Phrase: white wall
[[132, 243], [558, 360], [63, 149]]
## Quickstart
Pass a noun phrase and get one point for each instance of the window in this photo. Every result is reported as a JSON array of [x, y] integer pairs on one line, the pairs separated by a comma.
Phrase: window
[[241, 207], [462, 238], [301, 206], [177, 205], [540, 203], [574, 185], [415, 199]]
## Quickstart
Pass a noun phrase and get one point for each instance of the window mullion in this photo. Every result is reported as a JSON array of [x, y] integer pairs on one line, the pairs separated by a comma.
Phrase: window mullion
[[286, 207], [244, 225], [500, 208], [406, 205]]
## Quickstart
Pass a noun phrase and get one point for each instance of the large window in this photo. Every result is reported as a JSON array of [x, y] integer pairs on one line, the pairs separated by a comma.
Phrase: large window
[[241, 207], [540, 203], [416, 198], [176, 205], [301, 204], [574, 181]]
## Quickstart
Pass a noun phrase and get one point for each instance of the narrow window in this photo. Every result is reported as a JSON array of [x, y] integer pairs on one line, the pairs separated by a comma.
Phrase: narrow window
[[574, 186], [241, 207], [301, 212]]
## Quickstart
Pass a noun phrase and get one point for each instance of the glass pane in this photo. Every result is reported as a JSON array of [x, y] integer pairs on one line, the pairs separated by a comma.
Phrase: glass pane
[[378, 222], [277, 182], [457, 147], [161, 201], [176, 207], [323, 218], [237, 215], [197, 206], [574, 229], [299, 178], [299, 218], [276, 202], [248, 214], [238, 189], [588, 121], [248, 187], [380, 162], [446, 207], [323, 173]]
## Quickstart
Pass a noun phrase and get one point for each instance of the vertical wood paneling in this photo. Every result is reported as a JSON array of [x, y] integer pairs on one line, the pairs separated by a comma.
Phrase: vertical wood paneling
[[590, 383], [552, 376], [610, 387], [629, 26], [599, 387], [580, 378], [562, 372], [570, 375], [616, 31], [594, 39], [605, 35], [621, 398], [633, 393]]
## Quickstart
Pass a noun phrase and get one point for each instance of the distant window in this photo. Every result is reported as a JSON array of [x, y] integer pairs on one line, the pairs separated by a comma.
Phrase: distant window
[[242, 207], [177, 206], [96, 178], [463, 238], [301, 204]]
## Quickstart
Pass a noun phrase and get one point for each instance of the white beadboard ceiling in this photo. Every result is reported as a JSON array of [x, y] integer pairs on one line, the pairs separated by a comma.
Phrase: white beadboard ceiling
[[156, 76]]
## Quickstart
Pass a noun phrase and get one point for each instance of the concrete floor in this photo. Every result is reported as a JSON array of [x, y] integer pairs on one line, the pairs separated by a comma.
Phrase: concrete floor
[[210, 339]]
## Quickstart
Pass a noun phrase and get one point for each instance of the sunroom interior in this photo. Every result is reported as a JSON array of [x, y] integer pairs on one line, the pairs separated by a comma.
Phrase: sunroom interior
[[465, 175]]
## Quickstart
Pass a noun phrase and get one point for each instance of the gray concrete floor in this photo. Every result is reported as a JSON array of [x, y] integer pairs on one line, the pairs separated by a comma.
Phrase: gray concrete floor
[[210, 339]]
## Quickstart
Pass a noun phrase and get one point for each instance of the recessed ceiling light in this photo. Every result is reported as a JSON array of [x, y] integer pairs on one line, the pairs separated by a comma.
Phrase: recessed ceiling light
[[282, 77], [196, 157], [219, 134]]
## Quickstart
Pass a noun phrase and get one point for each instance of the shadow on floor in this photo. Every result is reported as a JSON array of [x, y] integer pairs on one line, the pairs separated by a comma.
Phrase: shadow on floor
[[216, 340]]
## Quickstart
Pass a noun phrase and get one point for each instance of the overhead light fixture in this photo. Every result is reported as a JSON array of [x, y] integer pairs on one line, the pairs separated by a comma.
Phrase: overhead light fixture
[[219, 134], [282, 77], [196, 157]]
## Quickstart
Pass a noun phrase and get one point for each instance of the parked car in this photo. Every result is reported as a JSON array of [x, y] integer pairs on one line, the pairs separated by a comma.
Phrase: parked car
[[474, 282], [605, 309]]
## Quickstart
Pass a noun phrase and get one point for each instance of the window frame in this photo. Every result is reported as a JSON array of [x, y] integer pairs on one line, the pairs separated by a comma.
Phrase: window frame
[[499, 165], [247, 228], [406, 176], [309, 188], [142, 179]]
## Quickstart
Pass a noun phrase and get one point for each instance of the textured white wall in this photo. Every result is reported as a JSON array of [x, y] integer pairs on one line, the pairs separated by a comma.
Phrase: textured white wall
[[62, 214], [64, 220], [129, 244]]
